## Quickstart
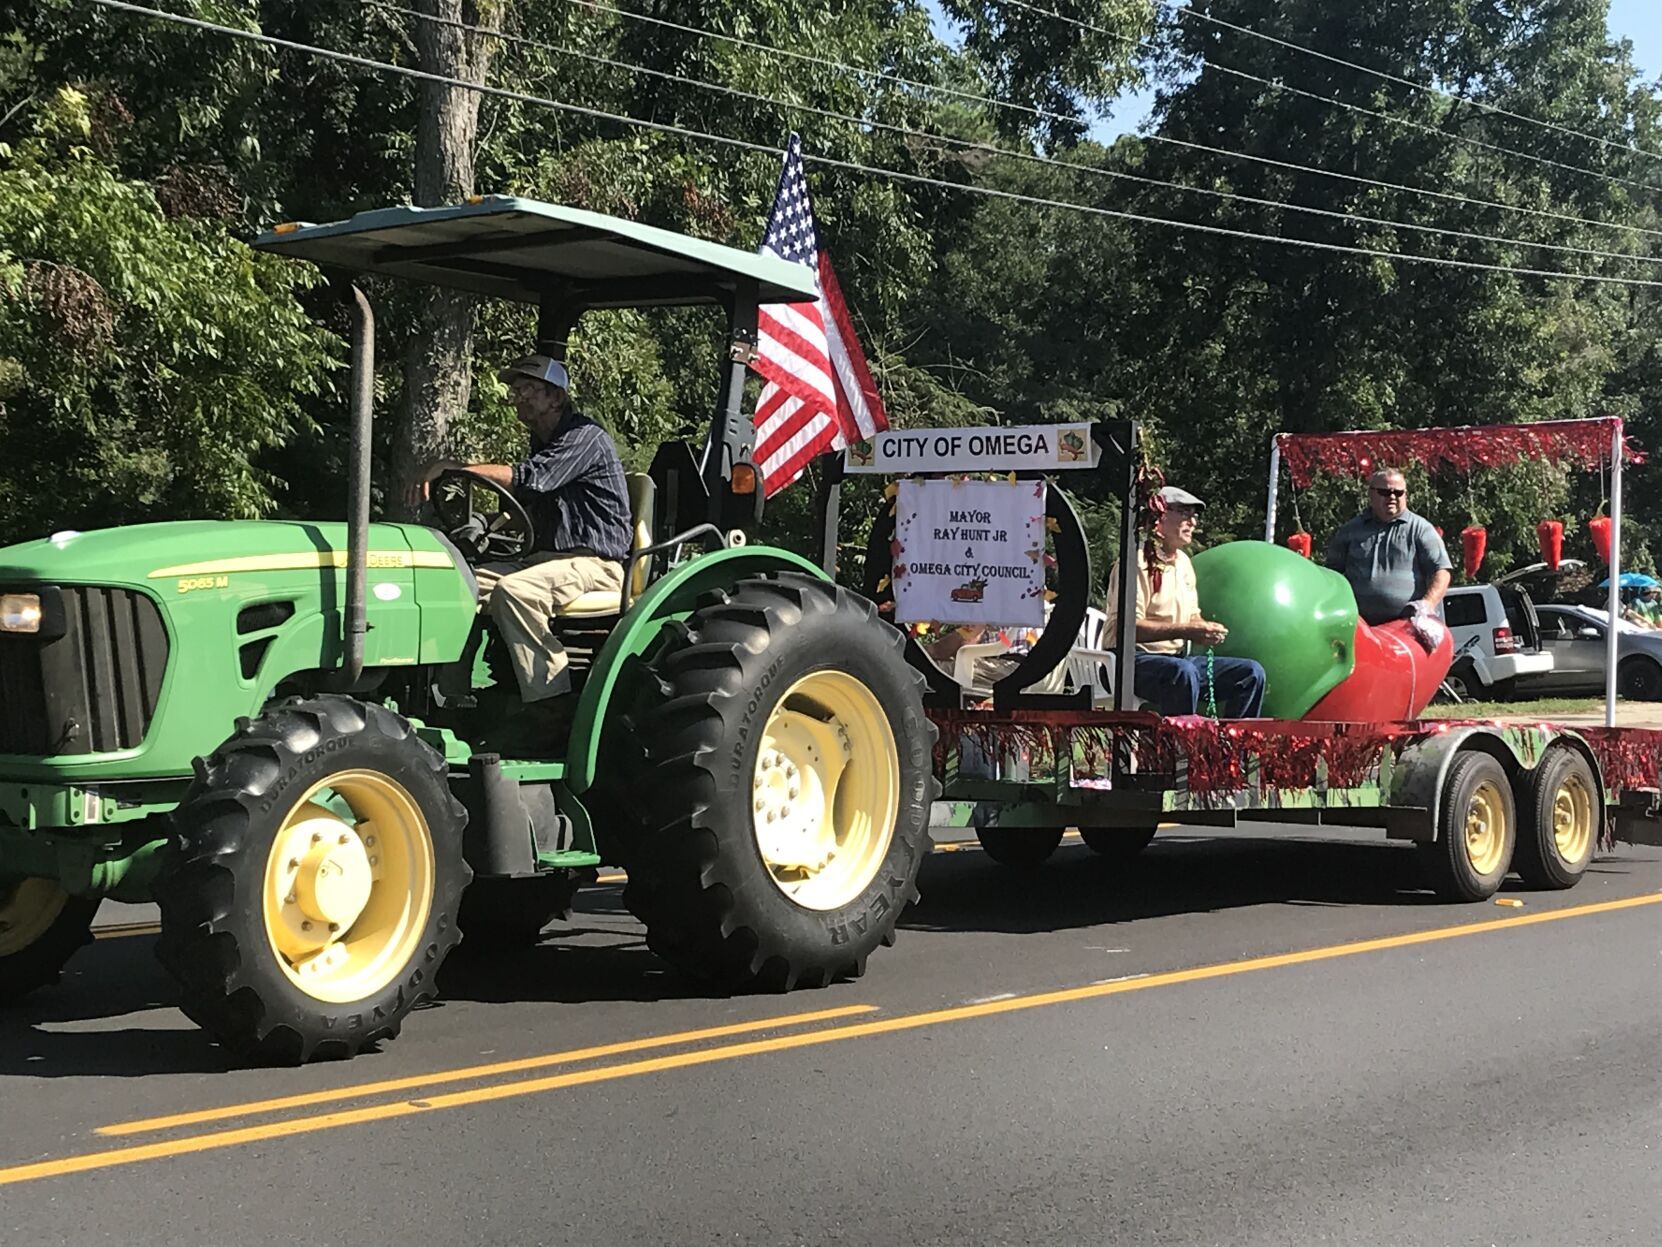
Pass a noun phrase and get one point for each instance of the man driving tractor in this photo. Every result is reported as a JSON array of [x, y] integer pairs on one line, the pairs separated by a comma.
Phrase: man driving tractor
[[572, 488]]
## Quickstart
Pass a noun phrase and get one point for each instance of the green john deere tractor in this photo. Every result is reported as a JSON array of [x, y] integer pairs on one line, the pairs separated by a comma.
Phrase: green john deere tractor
[[275, 730]]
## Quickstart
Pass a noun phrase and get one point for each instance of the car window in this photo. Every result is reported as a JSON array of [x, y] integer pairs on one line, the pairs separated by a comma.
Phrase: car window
[[1462, 610]]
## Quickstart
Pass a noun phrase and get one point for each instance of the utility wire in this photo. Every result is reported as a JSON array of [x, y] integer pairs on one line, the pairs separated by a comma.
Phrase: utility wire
[[852, 166], [994, 149], [1466, 140], [1047, 115], [1185, 12]]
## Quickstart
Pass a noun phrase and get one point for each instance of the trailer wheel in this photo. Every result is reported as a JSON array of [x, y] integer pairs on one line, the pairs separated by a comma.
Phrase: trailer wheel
[[1022, 847], [1118, 844], [41, 927], [770, 780], [310, 892], [501, 914], [1476, 830], [1561, 816]]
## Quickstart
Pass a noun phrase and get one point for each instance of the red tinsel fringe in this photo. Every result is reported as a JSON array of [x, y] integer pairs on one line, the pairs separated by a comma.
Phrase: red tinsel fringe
[[1223, 756], [1584, 442]]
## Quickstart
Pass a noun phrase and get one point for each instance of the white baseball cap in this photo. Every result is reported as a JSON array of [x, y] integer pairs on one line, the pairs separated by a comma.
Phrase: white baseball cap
[[1175, 497], [540, 367]]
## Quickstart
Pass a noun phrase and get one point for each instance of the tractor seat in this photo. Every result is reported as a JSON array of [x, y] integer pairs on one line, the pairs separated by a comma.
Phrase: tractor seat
[[642, 494]]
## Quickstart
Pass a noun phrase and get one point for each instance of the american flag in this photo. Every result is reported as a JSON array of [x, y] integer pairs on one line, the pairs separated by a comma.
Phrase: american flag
[[819, 394]]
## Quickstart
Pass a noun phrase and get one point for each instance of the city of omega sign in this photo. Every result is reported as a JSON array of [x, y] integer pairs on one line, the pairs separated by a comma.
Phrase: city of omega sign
[[1019, 448]]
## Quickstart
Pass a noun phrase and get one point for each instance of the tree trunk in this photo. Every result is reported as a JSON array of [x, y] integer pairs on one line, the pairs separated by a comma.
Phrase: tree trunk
[[438, 366]]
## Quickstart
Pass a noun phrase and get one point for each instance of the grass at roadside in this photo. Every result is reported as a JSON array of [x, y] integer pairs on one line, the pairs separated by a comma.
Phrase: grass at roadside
[[1547, 708]]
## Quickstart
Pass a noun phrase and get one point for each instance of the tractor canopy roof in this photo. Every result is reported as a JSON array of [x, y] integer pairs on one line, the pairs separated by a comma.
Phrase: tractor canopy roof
[[527, 251]]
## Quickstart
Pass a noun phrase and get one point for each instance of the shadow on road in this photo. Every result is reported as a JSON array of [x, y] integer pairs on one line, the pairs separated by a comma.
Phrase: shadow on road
[[1178, 874]]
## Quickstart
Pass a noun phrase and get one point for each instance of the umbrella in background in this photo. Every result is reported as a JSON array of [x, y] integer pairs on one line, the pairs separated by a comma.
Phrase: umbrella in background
[[1634, 580]]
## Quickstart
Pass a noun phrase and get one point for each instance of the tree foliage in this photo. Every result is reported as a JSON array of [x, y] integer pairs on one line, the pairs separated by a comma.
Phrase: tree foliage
[[974, 308]]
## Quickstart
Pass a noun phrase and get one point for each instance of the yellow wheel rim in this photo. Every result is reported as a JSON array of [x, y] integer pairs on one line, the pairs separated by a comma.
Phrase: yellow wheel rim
[[28, 908], [349, 886], [826, 790], [1485, 829], [1572, 819]]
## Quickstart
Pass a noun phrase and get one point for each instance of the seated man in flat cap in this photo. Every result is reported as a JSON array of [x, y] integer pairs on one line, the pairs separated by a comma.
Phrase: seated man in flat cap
[[571, 485], [1168, 678]]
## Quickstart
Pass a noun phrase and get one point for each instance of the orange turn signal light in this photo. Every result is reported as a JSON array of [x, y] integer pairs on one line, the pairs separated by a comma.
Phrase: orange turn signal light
[[744, 479]]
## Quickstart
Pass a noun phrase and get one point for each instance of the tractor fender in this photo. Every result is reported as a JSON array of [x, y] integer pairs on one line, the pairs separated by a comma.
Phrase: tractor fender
[[672, 596], [1419, 770]]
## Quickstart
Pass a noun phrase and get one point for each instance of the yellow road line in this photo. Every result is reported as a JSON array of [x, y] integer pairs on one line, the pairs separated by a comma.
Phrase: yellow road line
[[191, 1144], [361, 1090]]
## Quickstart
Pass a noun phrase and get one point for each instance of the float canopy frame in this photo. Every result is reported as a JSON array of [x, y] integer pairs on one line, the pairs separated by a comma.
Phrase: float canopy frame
[[1473, 435]]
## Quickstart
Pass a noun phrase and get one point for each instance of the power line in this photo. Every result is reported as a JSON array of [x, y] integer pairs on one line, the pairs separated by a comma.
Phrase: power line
[[1185, 12], [1463, 139], [1046, 114], [994, 149], [852, 166]]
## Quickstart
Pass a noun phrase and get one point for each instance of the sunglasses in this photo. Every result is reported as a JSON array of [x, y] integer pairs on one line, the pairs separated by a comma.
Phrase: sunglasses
[[1391, 493]]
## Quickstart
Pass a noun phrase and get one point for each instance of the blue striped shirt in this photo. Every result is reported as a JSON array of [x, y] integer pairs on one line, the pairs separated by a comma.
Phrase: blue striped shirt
[[573, 488]]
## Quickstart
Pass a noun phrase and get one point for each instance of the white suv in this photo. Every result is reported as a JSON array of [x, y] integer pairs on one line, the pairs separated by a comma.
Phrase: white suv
[[1496, 640]]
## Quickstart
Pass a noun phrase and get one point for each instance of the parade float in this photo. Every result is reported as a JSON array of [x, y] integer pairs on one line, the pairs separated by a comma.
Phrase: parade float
[[1056, 741]]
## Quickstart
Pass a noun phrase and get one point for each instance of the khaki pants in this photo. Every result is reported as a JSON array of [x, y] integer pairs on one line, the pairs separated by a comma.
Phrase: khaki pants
[[522, 595]]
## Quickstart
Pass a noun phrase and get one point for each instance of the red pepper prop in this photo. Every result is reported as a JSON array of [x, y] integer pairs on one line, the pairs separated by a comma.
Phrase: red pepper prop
[[1474, 542], [1299, 541], [1599, 528], [1550, 535], [1394, 677]]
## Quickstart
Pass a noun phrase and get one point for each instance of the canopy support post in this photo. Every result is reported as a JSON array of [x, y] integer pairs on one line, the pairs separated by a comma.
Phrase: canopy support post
[[1615, 600], [1275, 477]]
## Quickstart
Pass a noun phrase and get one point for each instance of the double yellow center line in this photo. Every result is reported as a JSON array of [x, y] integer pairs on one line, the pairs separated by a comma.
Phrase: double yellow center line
[[215, 1139]]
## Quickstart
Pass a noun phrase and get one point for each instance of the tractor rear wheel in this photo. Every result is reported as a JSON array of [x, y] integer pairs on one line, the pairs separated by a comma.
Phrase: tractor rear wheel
[[310, 891], [41, 926], [772, 776]]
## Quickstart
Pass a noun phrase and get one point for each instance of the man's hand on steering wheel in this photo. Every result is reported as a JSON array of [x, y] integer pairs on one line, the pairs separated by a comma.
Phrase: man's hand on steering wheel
[[506, 534]]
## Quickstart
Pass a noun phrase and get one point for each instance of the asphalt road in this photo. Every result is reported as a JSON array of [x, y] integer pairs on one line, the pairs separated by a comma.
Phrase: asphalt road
[[1237, 1040]]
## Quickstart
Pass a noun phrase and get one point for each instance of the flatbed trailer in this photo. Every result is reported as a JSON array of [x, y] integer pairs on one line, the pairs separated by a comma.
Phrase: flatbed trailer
[[1478, 799]]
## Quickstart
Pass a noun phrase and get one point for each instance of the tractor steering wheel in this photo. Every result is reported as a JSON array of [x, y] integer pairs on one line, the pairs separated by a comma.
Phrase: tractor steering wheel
[[507, 534]]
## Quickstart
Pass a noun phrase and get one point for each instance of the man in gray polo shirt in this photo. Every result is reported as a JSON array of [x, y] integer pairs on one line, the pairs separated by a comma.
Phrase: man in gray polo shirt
[[1394, 559]]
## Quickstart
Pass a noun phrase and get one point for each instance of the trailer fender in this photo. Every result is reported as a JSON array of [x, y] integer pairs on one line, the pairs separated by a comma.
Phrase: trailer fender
[[672, 596], [1418, 772]]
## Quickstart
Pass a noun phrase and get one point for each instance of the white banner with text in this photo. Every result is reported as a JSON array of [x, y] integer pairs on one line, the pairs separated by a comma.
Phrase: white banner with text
[[970, 552]]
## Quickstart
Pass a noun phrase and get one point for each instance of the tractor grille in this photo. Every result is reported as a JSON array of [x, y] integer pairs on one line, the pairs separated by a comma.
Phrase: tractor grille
[[90, 682]]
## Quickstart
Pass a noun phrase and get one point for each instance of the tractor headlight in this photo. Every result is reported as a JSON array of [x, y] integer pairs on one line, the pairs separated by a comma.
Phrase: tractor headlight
[[20, 612]]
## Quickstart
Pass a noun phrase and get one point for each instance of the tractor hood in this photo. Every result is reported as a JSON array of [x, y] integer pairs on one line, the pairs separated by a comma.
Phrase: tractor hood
[[160, 554]]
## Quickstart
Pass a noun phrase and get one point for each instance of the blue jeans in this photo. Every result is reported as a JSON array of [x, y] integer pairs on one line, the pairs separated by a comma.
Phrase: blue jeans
[[1173, 684]]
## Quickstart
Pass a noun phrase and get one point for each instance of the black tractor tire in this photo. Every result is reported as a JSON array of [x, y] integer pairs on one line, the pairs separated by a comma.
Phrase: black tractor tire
[[500, 914], [1022, 847], [1464, 863], [682, 759], [1561, 818], [1117, 844], [217, 935], [1639, 679], [41, 928]]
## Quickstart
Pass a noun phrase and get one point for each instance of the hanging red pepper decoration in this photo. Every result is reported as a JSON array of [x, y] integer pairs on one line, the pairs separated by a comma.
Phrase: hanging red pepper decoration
[[1474, 543], [1300, 541], [1599, 529], [1550, 535]]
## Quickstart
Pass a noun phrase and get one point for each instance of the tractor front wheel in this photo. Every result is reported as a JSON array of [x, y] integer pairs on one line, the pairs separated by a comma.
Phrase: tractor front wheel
[[773, 774], [41, 926], [310, 892]]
